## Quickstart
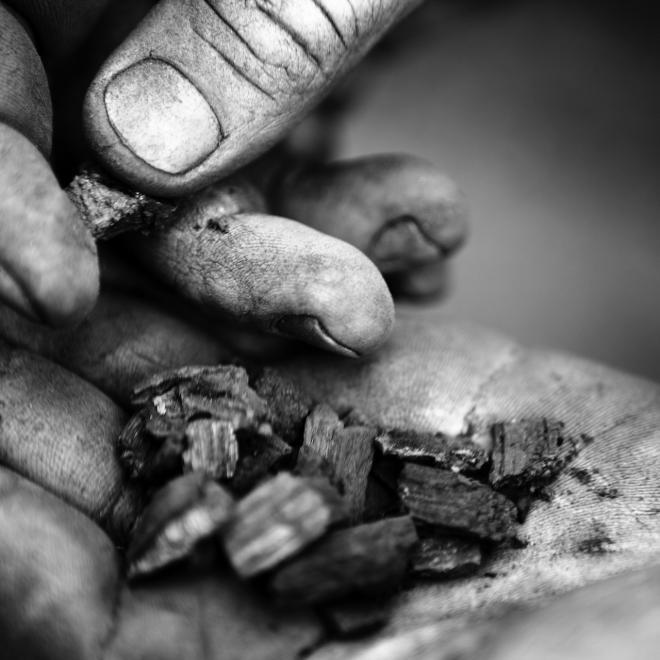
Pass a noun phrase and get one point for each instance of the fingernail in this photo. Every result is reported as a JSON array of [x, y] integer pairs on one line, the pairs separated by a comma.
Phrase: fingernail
[[309, 329], [161, 116], [401, 243], [13, 295]]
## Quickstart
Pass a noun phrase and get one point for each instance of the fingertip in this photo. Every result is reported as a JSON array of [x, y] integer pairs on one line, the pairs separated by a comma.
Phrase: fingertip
[[360, 316], [63, 280], [399, 210], [48, 262]]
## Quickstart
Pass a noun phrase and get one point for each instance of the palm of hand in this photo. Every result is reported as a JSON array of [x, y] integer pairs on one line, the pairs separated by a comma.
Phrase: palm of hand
[[434, 374]]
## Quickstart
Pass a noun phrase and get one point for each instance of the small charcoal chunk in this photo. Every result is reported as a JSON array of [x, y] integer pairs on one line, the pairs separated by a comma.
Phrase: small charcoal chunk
[[348, 451], [380, 501], [190, 419], [260, 454], [178, 517], [365, 560], [382, 497], [452, 453], [356, 616], [446, 557], [450, 501], [529, 453], [287, 403], [228, 380], [108, 209], [212, 448], [277, 520]]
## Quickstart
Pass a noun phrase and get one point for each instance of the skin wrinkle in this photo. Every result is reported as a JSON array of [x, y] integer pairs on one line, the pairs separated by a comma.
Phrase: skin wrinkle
[[234, 66], [324, 10], [267, 8], [299, 75], [199, 25], [356, 31]]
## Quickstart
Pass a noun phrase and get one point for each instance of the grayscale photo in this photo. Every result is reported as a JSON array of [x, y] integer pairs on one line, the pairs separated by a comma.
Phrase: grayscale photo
[[329, 330]]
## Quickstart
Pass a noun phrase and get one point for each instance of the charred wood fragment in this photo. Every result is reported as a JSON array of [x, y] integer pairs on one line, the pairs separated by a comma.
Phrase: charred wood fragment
[[180, 515], [445, 557], [452, 453], [365, 560], [450, 501], [348, 453], [277, 520], [529, 453]]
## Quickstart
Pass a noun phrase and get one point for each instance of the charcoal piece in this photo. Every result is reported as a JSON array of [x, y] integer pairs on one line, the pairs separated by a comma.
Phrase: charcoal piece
[[164, 463], [453, 453], [168, 404], [276, 521], [240, 412], [109, 209], [320, 426], [348, 451], [147, 457], [133, 449], [212, 448], [179, 516], [529, 453], [199, 387], [451, 501], [356, 616], [163, 418], [196, 411], [386, 470], [380, 501], [365, 560], [310, 463], [287, 403], [446, 557], [165, 381], [259, 454]]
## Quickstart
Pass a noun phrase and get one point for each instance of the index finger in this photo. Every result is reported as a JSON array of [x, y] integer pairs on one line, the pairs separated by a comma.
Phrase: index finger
[[203, 86]]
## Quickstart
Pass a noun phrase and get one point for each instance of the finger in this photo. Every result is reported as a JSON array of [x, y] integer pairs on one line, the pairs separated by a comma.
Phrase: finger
[[58, 576], [59, 431], [123, 341], [48, 267], [203, 86], [399, 210], [271, 272]]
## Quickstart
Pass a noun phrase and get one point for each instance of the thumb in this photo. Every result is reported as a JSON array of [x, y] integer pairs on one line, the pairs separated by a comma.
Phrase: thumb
[[203, 86]]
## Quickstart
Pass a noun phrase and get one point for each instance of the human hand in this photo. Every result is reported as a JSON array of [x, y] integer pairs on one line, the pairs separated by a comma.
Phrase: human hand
[[197, 90], [433, 375]]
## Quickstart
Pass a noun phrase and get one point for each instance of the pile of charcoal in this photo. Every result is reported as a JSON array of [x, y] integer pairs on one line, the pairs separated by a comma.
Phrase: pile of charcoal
[[317, 508]]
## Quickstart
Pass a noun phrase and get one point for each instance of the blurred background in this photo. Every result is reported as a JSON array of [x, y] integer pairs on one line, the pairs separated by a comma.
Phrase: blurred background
[[547, 113]]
